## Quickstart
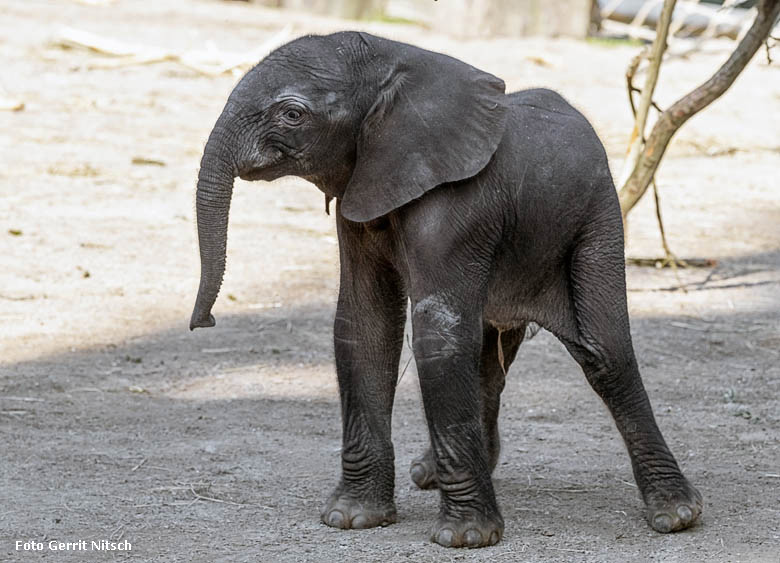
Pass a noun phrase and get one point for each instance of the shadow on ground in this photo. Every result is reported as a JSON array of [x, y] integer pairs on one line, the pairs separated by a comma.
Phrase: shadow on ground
[[140, 440]]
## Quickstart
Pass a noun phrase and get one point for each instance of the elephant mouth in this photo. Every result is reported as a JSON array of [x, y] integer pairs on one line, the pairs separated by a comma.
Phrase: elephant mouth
[[254, 174], [268, 167]]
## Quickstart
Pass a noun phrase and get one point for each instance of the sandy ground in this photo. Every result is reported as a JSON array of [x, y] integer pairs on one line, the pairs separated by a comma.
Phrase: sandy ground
[[221, 445]]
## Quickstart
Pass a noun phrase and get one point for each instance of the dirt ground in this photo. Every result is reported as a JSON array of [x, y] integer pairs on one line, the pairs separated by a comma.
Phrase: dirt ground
[[117, 423]]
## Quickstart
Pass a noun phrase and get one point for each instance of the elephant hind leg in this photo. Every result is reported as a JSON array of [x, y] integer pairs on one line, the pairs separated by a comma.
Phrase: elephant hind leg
[[499, 349], [601, 344], [492, 372]]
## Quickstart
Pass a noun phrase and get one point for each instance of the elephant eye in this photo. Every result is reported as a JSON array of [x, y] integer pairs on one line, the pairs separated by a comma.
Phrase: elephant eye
[[293, 115]]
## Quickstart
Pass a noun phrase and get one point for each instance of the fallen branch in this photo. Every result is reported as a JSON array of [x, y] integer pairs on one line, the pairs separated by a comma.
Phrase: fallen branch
[[663, 263], [207, 62], [694, 18]]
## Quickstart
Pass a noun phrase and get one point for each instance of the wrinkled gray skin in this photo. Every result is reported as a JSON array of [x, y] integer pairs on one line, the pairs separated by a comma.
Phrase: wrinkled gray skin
[[489, 211]]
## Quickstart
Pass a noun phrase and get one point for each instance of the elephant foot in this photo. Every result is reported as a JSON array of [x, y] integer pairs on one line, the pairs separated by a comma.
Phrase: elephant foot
[[345, 512], [474, 531], [674, 507], [423, 471]]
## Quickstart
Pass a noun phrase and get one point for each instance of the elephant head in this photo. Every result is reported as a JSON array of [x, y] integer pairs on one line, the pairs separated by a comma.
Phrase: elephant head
[[372, 122]]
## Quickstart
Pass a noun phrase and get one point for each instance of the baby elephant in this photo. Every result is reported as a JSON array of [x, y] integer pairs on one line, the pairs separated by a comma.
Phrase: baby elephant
[[489, 211]]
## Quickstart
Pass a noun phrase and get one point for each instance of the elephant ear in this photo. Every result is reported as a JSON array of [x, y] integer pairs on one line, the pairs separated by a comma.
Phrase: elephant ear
[[435, 120]]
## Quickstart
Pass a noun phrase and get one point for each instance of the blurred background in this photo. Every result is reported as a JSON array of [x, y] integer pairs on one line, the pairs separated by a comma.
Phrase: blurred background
[[520, 18], [221, 444]]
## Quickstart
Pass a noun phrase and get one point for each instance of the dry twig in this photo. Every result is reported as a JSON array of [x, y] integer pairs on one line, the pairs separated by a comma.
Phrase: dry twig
[[409, 361], [138, 465], [212, 499], [670, 259]]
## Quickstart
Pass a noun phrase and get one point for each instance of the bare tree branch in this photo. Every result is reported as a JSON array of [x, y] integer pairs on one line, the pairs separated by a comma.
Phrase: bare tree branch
[[656, 55], [673, 118]]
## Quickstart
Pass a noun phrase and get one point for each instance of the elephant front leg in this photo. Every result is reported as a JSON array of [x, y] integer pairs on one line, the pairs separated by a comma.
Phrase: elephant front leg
[[492, 371], [368, 336], [447, 346]]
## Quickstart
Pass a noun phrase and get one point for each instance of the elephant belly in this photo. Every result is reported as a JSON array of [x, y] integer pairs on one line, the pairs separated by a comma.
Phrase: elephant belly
[[505, 322], [516, 298]]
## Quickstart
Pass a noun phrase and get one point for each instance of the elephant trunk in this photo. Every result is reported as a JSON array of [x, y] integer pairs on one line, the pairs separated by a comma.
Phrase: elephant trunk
[[215, 189]]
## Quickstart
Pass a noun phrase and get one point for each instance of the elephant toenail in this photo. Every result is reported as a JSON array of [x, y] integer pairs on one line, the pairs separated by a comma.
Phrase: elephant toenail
[[336, 519], [360, 521], [473, 538], [663, 523], [494, 538], [445, 537], [418, 473], [685, 513]]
